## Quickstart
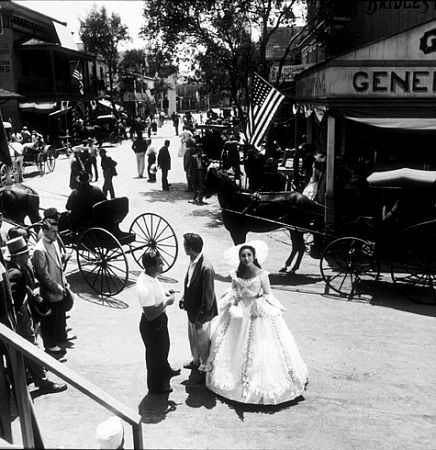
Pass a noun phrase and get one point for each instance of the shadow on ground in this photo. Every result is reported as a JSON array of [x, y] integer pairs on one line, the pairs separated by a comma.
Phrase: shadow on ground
[[86, 293], [154, 408], [176, 193], [295, 279], [241, 409], [197, 394], [389, 295], [213, 214]]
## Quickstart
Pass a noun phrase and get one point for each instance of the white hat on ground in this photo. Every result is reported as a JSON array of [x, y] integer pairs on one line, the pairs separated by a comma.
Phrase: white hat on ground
[[110, 433]]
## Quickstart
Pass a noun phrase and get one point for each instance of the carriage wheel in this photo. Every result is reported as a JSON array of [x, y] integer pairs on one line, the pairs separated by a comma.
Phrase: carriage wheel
[[102, 261], [5, 176], [154, 232], [51, 159], [40, 163], [348, 266], [414, 270]]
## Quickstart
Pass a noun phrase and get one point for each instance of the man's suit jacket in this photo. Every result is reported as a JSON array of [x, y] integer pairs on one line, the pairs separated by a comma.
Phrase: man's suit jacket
[[48, 271], [164, 158], [199, 298], [21, 280]]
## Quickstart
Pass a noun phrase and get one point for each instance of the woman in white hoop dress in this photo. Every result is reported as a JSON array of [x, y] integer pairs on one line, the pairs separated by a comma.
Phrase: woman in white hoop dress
[[253, 358]]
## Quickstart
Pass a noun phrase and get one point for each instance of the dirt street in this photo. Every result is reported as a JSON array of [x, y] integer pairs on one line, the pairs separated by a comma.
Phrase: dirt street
[[372, 361]]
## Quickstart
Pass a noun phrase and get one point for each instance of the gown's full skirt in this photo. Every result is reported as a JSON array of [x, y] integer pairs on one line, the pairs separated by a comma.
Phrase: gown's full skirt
[[254, 357]]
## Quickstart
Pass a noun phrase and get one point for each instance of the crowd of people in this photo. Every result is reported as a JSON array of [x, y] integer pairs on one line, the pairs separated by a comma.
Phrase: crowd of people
[[241, 347]]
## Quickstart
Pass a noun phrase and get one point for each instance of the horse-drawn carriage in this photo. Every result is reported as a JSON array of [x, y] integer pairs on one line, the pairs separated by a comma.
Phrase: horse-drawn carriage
[[101, 247], [352, 254], [40, 155], [402, 241]]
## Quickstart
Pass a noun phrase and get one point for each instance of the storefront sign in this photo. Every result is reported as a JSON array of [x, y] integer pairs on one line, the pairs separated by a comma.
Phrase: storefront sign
[[397, 5], [395, 81], [288, 72], [389, 82]]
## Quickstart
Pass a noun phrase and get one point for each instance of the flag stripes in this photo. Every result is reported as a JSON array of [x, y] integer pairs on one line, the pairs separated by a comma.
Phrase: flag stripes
[[265, 100], [78, 76]]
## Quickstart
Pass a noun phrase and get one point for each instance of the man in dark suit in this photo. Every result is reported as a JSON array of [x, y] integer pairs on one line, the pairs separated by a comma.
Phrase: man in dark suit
[[22, 283], [198, 300], [164, 163]]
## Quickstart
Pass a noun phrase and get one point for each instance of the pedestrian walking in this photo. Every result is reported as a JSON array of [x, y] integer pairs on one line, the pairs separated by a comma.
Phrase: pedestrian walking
[[109, 171], [139, 146], [185, 137], [164, 164], [93, 153], [48, 265], [198, 301], [151, 161], [199, 163], [176, 119], [154, 323]]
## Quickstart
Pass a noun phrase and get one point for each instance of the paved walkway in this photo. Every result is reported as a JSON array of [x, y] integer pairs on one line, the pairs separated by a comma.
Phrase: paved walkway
[[372, 362]]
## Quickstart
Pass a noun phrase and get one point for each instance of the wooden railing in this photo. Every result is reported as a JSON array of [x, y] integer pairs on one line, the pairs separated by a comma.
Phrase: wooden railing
[[17, 349]]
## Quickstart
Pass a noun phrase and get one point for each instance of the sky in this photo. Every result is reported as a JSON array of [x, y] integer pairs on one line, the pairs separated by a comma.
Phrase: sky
[[70, 11]]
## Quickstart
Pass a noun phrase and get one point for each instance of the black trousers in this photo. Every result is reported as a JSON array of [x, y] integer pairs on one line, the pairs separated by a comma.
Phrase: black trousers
[[165, 186], [53, 327], [156, 339]]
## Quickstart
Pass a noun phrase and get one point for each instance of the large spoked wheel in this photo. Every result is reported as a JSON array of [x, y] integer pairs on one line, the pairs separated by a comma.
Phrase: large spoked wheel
[[5, 175], [51, 158], [154, 232], [414, 270], [348, 266], [40, 163], [102, 261]]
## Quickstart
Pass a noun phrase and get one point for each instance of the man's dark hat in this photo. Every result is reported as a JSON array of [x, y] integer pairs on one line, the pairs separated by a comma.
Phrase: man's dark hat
[[83, 177], [51, 213]]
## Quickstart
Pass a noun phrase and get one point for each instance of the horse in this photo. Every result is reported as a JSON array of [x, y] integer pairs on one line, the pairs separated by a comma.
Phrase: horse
[[244, 211], [18, 201]]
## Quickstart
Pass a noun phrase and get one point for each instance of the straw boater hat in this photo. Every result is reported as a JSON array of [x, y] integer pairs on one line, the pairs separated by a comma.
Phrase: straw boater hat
[[17, 246], [232, 254], [110, 433]]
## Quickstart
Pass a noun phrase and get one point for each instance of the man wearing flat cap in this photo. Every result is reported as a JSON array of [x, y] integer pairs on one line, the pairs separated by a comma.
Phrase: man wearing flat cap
[[26, 302]]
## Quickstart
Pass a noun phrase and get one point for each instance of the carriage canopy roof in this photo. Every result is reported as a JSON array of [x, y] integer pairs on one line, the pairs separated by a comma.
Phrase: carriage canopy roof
[[404, 177]]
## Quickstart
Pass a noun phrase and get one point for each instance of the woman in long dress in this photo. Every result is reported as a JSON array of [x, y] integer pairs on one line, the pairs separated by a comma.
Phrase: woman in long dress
[[253, 358]]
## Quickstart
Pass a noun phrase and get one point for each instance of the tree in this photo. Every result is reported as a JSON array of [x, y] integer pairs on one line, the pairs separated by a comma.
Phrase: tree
[[101, 35], [230, 36]]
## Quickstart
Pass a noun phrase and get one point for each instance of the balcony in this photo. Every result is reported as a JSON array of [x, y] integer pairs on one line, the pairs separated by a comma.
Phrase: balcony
[[43, 88]]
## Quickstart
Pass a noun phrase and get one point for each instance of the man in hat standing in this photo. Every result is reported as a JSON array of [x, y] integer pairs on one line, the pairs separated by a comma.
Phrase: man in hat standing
[[22, 281], [108, 167], [47, 261]]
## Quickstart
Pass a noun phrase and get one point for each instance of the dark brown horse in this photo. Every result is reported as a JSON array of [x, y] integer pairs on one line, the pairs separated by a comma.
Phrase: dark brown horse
[[245, 211], [19, 201]]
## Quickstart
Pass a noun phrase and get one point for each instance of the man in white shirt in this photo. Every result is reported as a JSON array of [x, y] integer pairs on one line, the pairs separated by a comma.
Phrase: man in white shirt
[[16, 151], [154, 324]]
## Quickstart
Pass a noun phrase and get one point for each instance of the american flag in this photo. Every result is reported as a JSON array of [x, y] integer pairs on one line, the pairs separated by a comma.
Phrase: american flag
[[265, 100], [78, 76]]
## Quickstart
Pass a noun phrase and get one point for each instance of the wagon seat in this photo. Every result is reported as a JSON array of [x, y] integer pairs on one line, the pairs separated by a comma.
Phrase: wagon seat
[[108, 214]]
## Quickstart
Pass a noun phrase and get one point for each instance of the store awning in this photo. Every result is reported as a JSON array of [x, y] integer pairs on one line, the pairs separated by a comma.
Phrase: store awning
[[42, 107], [7, 95], [412, 124], [404, 177], [108, 104], [60, 111]]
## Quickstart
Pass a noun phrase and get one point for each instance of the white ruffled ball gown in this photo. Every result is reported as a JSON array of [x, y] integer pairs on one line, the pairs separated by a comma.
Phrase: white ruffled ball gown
[[254, 358]]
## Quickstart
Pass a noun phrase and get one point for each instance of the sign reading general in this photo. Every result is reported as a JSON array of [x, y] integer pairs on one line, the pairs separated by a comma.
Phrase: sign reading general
[[375, 81]]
